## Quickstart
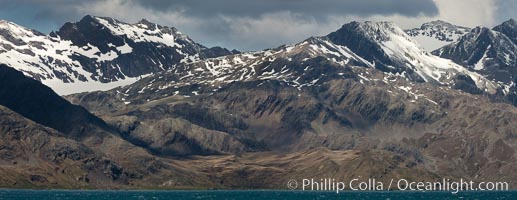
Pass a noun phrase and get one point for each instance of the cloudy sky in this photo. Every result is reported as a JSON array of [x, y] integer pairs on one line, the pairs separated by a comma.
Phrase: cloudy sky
[[258, 24]]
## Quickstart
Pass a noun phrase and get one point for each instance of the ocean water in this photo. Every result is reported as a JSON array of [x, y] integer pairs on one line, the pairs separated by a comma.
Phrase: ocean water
[[245, 195]]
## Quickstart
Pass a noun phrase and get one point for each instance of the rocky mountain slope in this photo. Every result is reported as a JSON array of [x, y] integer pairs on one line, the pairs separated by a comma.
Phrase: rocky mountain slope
[[32, 155], [490, 53], [391, 50], [53, 144], [40, 104], [436, 34], [367, 86], [97, 53], [420, 122], [365, 100], [509, 29], [289, 77], [382, 46], [35, 156]]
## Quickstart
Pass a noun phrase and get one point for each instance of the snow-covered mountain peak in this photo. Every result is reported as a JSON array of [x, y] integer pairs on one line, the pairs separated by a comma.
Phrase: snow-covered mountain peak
[[393, 51], [97, 53], [146, 24], [378, 31], [489, 52], [372, 45], [435, 34], [143, 31], [10, 30], [441, 25]]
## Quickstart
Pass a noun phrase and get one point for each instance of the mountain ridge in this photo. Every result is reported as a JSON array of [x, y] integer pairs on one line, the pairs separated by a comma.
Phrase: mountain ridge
[[490, 53], [97, 53], [365, 100], [436, 34]]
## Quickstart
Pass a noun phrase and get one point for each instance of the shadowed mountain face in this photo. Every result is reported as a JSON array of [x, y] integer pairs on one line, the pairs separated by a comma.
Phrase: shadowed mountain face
[[365, 101], [491, 53], [363, 40], [39, 103], [509, 28], [486, 51], [46, 142], [34, 156]]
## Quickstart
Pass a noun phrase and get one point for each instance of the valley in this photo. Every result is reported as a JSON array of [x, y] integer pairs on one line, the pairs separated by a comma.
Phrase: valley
[[366, 100]]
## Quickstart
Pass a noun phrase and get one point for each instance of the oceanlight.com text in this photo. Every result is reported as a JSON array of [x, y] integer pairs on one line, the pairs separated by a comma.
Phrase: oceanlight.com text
[[357, 184]]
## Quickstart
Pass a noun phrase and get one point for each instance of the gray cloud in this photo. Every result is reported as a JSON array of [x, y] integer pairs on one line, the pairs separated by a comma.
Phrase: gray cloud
[[241, 24], [237, 24], [314, 8], [506, 9]]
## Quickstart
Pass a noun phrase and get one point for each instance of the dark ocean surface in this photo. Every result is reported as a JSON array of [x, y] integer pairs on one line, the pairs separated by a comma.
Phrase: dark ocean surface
[[246, 195]]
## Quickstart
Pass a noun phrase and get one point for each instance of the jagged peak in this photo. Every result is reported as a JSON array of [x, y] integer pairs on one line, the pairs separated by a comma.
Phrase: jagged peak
[[118, 27], [485, 30], [438, 22], [16, 29], [385, 24], [479, 29], [110, 20], [144, 21], [95, 19], [366, 25], [508, 28], [313, 40], [378, 31], [377, 25], [151, 25], [99, 19], [492, 36], [441, 24], [4, 24], [511, 23], [88, 18]]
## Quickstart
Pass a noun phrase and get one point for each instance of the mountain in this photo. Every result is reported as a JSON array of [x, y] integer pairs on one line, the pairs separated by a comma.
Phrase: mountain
[[97, 53], [486, 51], [490, 53], [436, 34], [33, 155], [297, 67], [509, 28], [391, 50], [367, 87], [365, 100], [46, 142], [40, 104]]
